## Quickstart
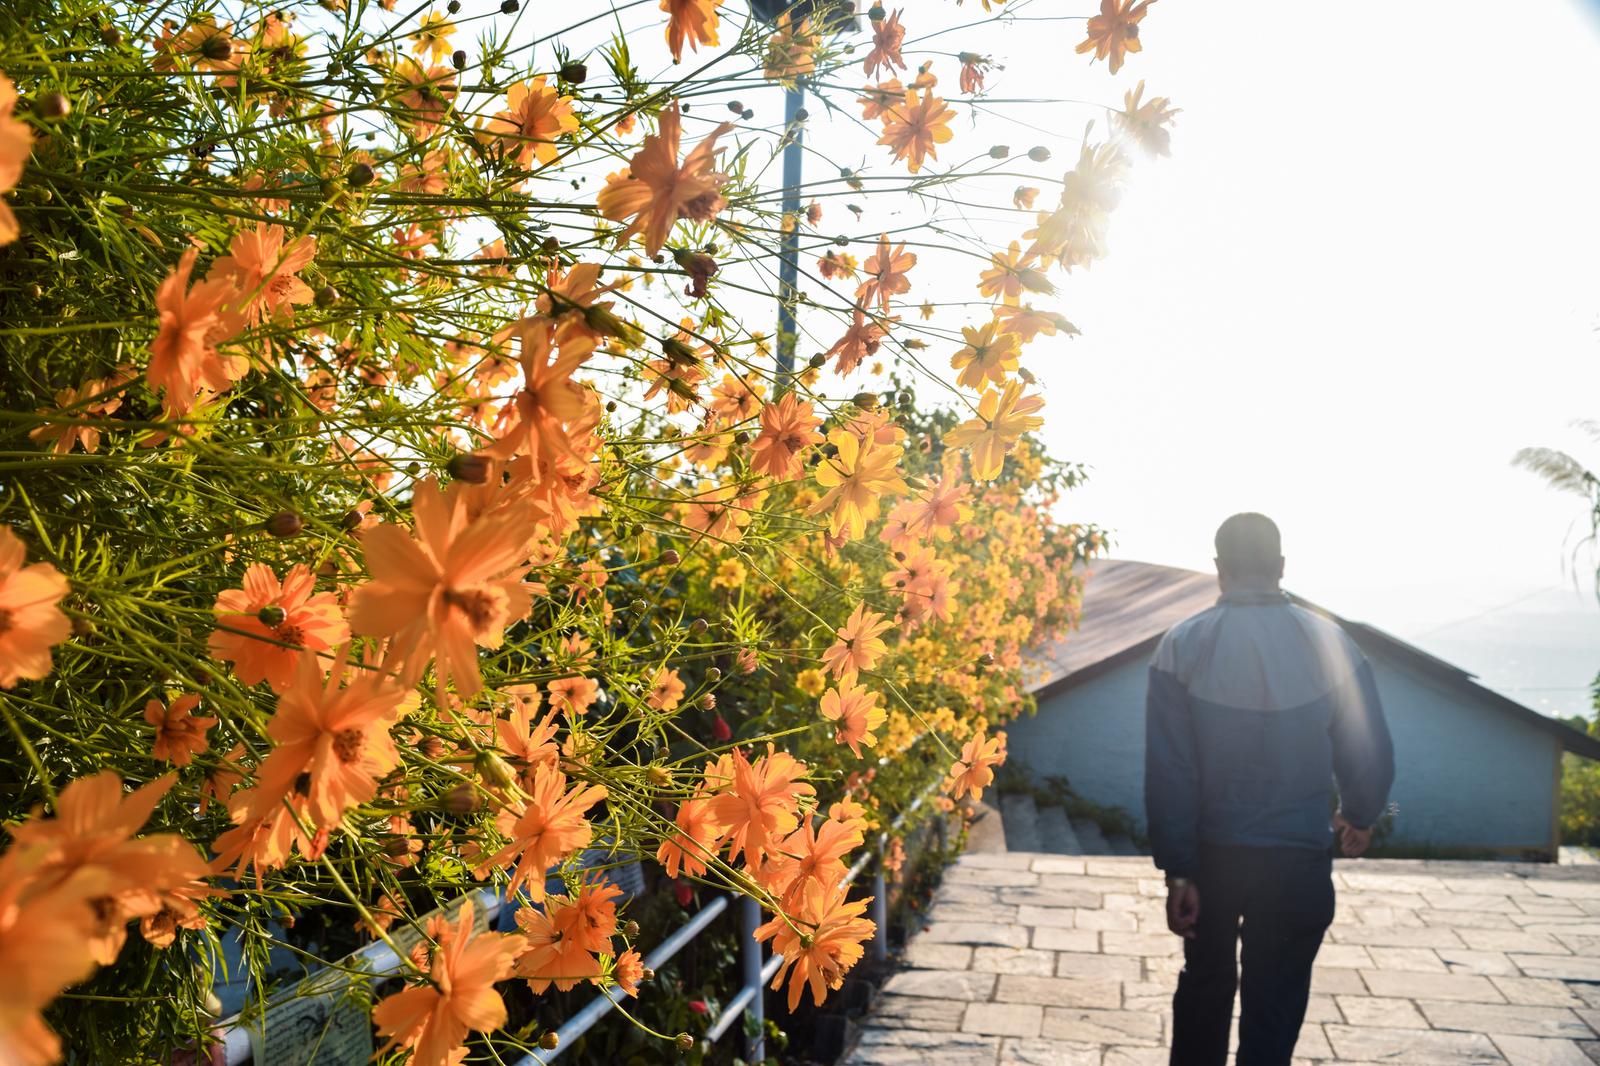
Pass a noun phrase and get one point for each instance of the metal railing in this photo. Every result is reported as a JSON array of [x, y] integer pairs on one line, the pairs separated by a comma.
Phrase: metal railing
[[379, 960]]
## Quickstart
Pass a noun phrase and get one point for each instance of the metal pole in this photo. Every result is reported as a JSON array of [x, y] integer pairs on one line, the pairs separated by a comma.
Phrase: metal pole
[[750, 955], [880, 911], [789, 255]]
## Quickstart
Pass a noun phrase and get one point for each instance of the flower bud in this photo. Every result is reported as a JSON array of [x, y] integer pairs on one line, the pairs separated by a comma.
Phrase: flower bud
[[272, 616], [999, 151], [1039, 154], [458, 59], [630, 929], [111, 36], [326, 296], [461, 800], [713, 675], [53, 106], [574, 72], [865, 400], [602, 321], [361, 174], [708, 702], [509, 7], [549, 1041], [493, 769], [670, 557], [684, 1041], [285, 524], [217, 49], [470, 468], [698, 626]]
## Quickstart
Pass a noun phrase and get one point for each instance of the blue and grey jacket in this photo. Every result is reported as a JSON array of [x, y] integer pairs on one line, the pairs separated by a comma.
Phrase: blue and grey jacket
[[1255, 707]]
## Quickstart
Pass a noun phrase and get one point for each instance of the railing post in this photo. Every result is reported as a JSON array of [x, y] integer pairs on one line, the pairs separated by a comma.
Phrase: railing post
[[789, 240], [880, 910], [755, 1047]]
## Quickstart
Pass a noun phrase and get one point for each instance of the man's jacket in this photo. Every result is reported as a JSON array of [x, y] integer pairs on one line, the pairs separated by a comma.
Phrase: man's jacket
[[1255, 707]]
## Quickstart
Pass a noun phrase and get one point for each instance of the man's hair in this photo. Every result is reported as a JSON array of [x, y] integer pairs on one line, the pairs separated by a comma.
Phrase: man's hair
[[1248, 545]]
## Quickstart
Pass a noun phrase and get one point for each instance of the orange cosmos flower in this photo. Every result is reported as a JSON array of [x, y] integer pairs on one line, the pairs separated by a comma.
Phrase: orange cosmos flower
[[573, 696], [433, 1019], [16, 144], [654, 190], [179, 910], [1003, 417], [986, 356], [974, 770], [526, 743], [452, 588], [92, 836], [193, 320], [180, 733], [96, 398], [1147, 123], [1011, 273], [821, 941], [551, 410], [423, 96], [1115, 31], [628, 971], [837, 265], [43, 952], [887, 37], [856, 478], [859, 343], [973, 69], [791, 50], [876, 100], [912, 129], [431, 38], [690, 21], [263, 269], [545, 829], [535, 116], [788, 428], [1024, 196], [856, 712], [886, 271], [698, 836], [858, 647], [563, 940], [30, 622], [811, 854], [851, 814], [257, 620], [333, 743], [761, 804], [1027, 323], [666, 690]]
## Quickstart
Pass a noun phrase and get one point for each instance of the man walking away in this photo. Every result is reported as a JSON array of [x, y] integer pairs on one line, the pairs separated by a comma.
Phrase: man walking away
[[1255, 707]]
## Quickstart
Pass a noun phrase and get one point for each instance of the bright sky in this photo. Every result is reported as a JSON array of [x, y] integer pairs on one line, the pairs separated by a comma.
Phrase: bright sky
[[1368, 275]]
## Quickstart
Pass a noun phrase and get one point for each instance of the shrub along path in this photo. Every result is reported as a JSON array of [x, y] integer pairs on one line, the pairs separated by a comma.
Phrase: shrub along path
[[1031, 959]]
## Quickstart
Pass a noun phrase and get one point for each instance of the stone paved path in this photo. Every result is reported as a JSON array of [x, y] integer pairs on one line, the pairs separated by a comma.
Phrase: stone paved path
[[1046, 960]]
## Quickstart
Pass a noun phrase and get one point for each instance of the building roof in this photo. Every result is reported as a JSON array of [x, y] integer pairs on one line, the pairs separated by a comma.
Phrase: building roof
[[1128, 605]]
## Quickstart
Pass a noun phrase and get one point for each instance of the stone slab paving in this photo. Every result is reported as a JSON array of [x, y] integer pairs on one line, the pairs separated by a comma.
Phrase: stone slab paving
[[1029, 959]]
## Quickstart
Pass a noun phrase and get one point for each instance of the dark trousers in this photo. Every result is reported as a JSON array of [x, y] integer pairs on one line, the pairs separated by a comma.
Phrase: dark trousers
[[1284, 899]]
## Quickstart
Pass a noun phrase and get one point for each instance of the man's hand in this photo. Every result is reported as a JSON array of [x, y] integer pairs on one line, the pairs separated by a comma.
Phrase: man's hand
[[1352, 841], [1183, 906]]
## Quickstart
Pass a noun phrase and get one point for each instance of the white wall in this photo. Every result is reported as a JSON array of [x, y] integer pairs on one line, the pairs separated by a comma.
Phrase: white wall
[[1467, 775]]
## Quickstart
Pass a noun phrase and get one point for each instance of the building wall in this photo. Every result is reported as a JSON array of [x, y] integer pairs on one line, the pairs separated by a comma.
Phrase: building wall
[[1467, 775]]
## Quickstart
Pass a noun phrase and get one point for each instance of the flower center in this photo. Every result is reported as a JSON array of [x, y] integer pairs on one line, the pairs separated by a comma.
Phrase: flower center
[[291, 634], [479, 605], [5, 620], [348, 744]]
